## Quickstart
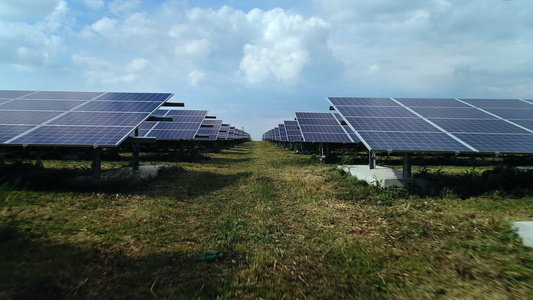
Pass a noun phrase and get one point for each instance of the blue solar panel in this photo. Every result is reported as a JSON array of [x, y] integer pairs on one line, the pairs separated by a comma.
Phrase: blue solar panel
[[26, 117], [144, 97], [283, 133], [321, 128], [184, 125], [452, 113], [119, 106], [100, 119], [223, 133], [74, 135], [407, 141], [512, 113], [528, 124], [391, 124], [498, 103], [340, 101], [58, 95], [8, 132], [375, 112], [442, 125], [431, 102], [58, 118], [209, 133], [13, 94], [502, 143], [41, 105], [478, 126], [293, 131]]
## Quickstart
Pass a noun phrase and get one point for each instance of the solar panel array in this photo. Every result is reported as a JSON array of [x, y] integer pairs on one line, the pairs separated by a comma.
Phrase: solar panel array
[[97, 119], [440, 124], [86, 119], [312, 128]]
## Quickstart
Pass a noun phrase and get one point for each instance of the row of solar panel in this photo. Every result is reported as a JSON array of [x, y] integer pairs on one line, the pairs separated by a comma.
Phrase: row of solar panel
[[58, 118], [313, 128], [425, 124]]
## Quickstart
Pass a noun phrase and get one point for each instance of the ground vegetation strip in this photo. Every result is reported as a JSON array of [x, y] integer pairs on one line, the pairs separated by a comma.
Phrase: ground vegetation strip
[[255, 222]]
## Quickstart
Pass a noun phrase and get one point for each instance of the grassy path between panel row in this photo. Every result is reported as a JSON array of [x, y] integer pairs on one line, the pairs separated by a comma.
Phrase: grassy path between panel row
[[255, 222]]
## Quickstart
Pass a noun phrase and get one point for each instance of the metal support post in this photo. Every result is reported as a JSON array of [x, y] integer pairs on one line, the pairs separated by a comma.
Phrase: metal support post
[[97, 164], [407, 165], [372, 159], [135, 157]]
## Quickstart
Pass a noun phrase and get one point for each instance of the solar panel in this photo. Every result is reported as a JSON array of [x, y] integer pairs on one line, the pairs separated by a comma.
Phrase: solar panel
[[293, 131], [13, 94], [223, 133], [184, 125], [231, 133], [60, 118], [282, 133], [498, 103], [440, 124], [209, 133], [321, 128]]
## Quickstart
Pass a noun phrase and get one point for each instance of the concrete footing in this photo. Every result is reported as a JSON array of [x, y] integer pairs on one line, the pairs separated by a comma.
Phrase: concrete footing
[[524, 230], [381, 176]]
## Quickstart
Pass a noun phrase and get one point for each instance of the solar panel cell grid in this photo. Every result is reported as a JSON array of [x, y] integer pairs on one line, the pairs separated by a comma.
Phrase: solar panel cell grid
[[104, 106], [480, 126], [391, 124], [57, 95], [452, 113], [26, 117], [431, 102], [13, 94], [503, 143], [8, 132], [498, 103], [512, 113], [149, 97], [316, 127], [338, 101], [376, 112], [74, 135], [99, 119], [404, 141], [41, 105]]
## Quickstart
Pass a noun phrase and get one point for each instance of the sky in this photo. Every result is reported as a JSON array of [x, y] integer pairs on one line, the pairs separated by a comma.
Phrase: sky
[[254, 63]]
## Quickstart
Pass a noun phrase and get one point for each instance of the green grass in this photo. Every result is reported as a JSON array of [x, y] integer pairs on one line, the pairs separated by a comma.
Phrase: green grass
[[280, 225]]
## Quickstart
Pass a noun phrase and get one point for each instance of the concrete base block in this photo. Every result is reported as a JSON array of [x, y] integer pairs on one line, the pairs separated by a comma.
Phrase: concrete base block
[[525, 231], [381, 176]]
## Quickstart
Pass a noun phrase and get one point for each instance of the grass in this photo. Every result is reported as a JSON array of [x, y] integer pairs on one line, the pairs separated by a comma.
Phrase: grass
[[257, 221]]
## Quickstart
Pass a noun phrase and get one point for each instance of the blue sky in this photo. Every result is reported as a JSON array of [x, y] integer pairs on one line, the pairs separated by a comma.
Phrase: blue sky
[[254, 63]]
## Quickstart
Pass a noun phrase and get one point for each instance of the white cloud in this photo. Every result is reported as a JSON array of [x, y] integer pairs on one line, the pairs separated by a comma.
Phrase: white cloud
[[284, 44], [94, 4], [21, 10], [195, 77], [99, 72], [32, 44], [423, 47]]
